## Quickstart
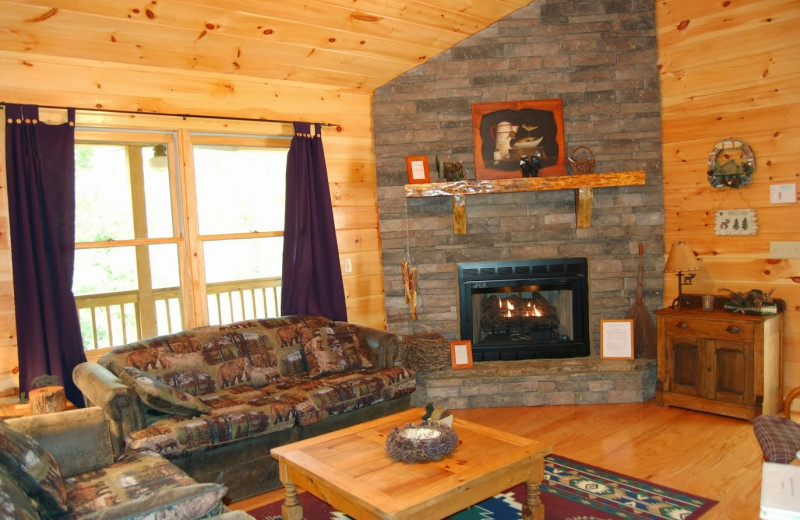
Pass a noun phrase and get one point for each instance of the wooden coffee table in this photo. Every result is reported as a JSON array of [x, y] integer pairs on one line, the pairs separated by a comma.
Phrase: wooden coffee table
[[350, 470]]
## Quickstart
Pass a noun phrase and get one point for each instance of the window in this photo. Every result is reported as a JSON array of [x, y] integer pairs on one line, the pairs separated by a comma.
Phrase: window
[[175, 229]]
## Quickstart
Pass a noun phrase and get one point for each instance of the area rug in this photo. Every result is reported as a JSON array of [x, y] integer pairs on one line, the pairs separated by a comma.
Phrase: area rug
[[571, 490]]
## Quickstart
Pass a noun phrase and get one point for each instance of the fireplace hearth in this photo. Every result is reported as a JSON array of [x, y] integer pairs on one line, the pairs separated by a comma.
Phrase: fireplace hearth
[[525, 309]]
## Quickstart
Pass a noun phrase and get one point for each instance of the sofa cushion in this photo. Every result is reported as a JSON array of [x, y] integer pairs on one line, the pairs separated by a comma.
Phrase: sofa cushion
[[142, 485], [34, 469], [14, 503], [160, 396], [238, 412], [333, 350], [336, 394]]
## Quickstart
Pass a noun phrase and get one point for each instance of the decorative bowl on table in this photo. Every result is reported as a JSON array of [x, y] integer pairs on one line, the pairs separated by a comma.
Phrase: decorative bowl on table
[[422, 442]]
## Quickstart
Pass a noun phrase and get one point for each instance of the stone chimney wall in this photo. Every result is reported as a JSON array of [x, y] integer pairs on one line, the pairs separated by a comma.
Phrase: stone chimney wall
[[600, 58]]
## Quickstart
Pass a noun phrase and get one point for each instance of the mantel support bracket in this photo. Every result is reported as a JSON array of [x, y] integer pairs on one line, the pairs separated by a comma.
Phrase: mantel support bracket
[[459, 214], [584, 197]]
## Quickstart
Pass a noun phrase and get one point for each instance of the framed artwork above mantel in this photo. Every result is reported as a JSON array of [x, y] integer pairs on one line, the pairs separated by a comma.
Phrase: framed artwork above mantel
[[505, 132]]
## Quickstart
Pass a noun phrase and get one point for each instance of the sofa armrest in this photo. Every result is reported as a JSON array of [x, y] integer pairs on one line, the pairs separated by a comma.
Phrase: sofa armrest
[[383, 346], [119, 402], [79, 440]]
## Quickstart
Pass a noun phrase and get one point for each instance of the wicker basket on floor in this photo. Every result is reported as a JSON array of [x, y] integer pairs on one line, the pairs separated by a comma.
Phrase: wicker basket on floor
[[425, 351]]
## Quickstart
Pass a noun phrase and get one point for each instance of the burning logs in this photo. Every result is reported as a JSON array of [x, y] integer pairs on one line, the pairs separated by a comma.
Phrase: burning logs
[[516, 314]]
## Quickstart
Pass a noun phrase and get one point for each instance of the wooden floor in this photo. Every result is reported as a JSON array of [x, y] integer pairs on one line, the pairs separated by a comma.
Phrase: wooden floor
[[708, 455]]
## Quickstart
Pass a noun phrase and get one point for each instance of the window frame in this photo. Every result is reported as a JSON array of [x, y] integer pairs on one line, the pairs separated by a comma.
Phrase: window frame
[[180, 134]]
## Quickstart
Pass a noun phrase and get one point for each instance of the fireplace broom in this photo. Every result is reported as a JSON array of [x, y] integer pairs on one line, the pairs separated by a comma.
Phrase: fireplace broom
[[644, 333]]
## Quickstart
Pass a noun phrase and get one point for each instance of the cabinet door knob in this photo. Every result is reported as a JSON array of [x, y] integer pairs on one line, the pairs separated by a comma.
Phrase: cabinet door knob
[[734, 329], [683, 325]]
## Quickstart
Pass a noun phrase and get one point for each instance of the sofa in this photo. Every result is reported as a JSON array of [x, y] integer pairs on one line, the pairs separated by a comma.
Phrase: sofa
[[214, 400], [62, 465]]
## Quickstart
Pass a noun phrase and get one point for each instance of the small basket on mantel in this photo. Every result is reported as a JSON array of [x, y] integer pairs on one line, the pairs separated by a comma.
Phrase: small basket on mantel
[[584, 164]]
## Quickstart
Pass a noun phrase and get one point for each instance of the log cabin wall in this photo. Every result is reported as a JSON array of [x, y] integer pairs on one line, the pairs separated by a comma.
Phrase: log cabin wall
[[348, 149], [600, 59], [730, 69]]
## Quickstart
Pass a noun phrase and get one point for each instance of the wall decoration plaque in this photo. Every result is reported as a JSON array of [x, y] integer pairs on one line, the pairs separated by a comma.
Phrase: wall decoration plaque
[[736, 222]]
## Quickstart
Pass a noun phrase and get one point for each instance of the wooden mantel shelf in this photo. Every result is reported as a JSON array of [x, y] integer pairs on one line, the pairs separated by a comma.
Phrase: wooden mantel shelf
[[582, 184]]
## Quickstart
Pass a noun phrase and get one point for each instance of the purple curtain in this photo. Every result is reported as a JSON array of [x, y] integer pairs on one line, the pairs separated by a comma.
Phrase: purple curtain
[[312, 278], [41, 198]]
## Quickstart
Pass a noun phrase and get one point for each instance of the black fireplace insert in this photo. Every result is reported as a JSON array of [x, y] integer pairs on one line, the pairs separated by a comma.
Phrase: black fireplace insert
[[525, 309]]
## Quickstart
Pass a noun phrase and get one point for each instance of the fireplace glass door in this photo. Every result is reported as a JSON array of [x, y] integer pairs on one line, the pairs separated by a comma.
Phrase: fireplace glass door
[[525, 311]]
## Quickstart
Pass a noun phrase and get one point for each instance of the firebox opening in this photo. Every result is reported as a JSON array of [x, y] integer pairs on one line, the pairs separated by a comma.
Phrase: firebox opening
[[525, 309]]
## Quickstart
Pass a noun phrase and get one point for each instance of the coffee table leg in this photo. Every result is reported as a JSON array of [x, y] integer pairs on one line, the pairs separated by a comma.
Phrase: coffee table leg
[[533, 509], [291, 508]]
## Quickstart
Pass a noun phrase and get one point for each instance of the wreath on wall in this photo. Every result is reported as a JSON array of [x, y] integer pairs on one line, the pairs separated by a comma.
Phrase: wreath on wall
[[730, 164]]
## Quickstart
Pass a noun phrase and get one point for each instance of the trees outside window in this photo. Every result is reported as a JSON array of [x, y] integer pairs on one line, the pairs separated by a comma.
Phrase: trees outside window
[[175, 229]]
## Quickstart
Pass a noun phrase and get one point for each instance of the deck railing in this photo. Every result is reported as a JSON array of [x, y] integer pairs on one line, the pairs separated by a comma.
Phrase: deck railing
[[112, 319]]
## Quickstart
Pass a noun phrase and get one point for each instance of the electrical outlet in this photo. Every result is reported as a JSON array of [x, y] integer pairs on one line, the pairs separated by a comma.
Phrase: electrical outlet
[[348, 265], [784, 249]]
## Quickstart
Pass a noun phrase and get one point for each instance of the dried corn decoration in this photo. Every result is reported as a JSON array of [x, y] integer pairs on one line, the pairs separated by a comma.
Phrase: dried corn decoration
[[410, 285]]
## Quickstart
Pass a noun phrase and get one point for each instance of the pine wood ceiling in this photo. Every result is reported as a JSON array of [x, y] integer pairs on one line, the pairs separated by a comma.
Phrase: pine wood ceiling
[[350, 44]]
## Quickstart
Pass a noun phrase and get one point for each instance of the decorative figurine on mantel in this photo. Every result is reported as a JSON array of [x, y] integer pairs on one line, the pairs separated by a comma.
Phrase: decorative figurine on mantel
[[531, 164]]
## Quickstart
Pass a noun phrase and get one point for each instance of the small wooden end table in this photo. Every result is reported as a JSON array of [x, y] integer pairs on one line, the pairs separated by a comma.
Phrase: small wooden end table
[[350, 470]]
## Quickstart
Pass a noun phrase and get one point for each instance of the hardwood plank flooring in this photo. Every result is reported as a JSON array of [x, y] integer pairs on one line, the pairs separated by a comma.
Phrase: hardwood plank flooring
[[709, 455]]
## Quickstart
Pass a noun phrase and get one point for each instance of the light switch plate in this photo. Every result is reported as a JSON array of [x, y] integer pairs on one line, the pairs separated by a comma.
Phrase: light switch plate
[[783, 193], [784, 249]]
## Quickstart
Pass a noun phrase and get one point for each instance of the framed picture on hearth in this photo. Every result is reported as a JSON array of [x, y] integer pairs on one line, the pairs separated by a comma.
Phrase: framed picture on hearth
[[461, 354], [616, 339], [506, 133]]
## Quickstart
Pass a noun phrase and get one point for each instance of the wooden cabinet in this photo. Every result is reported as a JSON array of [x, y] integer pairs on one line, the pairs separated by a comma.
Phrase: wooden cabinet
[[720, 362]]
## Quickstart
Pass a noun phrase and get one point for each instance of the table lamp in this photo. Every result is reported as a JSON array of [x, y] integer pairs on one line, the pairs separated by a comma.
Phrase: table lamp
[[681, 259]]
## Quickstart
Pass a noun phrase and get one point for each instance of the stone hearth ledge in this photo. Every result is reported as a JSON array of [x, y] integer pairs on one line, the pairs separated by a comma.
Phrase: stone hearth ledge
[[538, 382]]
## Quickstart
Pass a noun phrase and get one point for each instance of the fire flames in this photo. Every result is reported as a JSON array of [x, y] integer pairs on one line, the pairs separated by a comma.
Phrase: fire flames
[[530, 310]]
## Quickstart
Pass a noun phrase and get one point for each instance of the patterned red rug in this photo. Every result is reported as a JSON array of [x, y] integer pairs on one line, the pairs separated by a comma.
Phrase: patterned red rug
[[571, 491]]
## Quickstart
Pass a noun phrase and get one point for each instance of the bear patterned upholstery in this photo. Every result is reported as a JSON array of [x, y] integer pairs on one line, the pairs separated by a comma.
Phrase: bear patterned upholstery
[[216, 385], [139, 483], [61, 465]]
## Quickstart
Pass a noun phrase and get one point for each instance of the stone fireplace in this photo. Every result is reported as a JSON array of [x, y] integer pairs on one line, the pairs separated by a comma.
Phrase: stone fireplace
[[525, 309], [592, 58]]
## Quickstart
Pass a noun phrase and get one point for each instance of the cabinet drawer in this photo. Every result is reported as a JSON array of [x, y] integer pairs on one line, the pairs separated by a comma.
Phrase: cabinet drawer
[[712, 329]]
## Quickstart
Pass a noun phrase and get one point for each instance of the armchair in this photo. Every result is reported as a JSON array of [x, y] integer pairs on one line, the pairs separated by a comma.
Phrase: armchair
[[63, 465], [779, 435]]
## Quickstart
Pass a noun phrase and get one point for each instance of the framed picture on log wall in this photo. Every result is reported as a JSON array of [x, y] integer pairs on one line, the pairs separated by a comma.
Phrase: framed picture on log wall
[[504, 133]]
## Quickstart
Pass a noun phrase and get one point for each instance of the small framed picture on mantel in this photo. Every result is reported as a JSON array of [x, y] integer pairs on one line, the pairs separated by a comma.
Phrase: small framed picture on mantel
[[418, 171]]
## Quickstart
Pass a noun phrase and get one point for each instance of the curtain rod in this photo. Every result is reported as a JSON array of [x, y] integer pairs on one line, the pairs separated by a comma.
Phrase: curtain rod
[[184, 116]]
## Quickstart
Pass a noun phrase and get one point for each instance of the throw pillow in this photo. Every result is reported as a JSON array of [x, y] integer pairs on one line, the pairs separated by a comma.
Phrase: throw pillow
[[157, 394], [333, 350], [34, 470]]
